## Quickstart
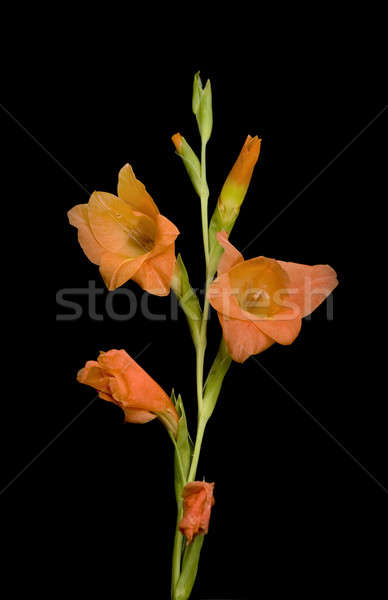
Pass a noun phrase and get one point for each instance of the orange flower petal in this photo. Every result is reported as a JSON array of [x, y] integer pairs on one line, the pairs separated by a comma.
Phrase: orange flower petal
[[117, 269], [223, 300], [155, 273], [243, 338], [197, 504], [93, 375], [242, 169], [118, 228], [131, 386], [133, 415], [133, 191], [230, 257], [166, 232], [119, 379], [282, 330], [78, 217], [309, 285]]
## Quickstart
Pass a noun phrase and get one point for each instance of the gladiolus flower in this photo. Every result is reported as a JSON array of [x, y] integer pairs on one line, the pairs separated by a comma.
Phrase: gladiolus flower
[[119, 379], [127, 237], [262, 301], [197, 504]]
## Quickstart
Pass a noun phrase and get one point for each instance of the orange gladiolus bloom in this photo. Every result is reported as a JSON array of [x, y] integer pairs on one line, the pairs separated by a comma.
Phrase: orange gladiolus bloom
[[127, 237], [197, 504], [262, 301], [119, 379]]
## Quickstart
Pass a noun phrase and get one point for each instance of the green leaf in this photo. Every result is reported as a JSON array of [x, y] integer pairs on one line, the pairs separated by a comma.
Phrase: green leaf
[[188, 299], [215, 379], [183, 449], [189, 569]]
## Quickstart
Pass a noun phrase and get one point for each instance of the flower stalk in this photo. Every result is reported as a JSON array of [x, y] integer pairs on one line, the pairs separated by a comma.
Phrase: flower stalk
[[259, 302]]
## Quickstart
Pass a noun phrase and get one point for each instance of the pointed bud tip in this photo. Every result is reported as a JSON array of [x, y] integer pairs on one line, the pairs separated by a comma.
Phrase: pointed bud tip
[[177, 141], [243, 168], [252, 144]]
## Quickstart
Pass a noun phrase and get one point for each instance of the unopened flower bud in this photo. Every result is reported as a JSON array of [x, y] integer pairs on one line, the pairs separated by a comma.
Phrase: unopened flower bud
[[202, 107], [190, 160], [232, 196], [237, 183]]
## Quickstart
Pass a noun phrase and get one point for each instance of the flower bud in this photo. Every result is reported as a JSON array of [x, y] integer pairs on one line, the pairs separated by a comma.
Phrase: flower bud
[[232, 196], [202, 107], [120, 380], [190, 160], [198, 501], [237, 183]]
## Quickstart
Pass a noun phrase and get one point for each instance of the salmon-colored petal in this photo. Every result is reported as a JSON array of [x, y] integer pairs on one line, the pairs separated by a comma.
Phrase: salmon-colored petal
[[243, 338], [107, 397], [78, 217], [284, 331], [309, 285], [118, 228], [230, 257], [166, 233], [155, 273], [133, 415], [197, 504], [119, 379], [117, 269], [132, 191], [223, 300], [93, 375], [131, 386]]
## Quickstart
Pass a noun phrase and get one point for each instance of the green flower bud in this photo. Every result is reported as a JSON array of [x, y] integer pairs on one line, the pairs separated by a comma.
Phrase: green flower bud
[[202, 107], [190, 160]]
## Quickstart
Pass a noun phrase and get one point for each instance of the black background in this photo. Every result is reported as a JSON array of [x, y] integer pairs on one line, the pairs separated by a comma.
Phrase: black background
[[95, 511]]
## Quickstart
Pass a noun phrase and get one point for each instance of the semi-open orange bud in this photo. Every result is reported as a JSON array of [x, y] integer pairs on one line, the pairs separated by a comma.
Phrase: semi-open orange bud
[[232, 196], [237, 182], [119, 379], [262, 301], [197, 504], [127, 237]]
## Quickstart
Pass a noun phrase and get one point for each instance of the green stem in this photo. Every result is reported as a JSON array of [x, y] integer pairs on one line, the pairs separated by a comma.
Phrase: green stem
[[197, 448], [204, 200], [200, 357], [177, 553]]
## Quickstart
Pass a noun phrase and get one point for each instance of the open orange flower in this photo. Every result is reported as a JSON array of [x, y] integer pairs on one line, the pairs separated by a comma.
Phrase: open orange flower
[[197, 504], [119, 379], [127, 237], [262, 301]]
